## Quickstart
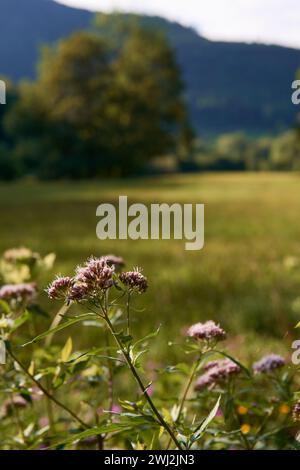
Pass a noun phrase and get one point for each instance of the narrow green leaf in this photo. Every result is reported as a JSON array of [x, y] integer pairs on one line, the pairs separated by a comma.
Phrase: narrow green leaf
[[61, 326], [67, 350], [207, 421], [153, 334], [20, 321], [4, 306], [96, 431]]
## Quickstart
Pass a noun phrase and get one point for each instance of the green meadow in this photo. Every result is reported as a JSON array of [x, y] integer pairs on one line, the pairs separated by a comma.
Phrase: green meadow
[[246, 277]]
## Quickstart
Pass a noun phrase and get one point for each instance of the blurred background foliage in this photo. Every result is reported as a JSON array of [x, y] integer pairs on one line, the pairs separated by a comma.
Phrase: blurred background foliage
[[112, 101], [96, 110], [247, 276]]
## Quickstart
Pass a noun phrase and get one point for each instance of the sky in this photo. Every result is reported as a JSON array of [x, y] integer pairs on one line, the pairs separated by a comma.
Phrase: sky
[[267, 21]]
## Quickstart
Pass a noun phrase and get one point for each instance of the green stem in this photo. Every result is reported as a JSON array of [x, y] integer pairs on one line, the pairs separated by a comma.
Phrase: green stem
[[110, 375], [185, 393], [46, 393], [140, 383], [245, 440], [49, 408], [128, 313], [187, 389]]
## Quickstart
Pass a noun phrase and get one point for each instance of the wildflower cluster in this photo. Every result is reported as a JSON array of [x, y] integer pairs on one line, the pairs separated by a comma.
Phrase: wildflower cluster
[[216, 401], [206, 331], [134, 280], [268, 364], [90, 281], [217, 372], [18, 293], [94, 278], [59, 288]]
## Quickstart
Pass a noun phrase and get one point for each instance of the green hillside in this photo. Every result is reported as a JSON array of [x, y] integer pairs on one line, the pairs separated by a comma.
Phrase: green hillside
[[229, 86]]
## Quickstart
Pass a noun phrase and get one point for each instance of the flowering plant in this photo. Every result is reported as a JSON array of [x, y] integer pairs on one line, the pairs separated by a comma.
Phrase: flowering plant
[[74, 397]]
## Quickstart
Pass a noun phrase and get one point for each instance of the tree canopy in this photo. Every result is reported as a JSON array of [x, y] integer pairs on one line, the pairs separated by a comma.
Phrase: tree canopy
[[96, 111]]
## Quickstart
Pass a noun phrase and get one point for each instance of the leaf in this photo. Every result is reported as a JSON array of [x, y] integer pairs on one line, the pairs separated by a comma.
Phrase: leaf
[[49, 260], [20, 321], [298, 325], [118, 360], [178, 368], [56, 321], [167, 416], [28, 430], [31, 368], [4, 306], [153, 334], [61, 326], [93, 323], [45, 372], [127, 405], [174, 412], [67, 350], [124, 338], [93, 352], [139, 446], [206, 422], [136, 357], [118, 427]]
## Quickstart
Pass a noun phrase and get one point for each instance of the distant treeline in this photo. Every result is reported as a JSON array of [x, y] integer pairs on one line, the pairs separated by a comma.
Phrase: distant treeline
[[237, 151], [101, 107], [96, 109]]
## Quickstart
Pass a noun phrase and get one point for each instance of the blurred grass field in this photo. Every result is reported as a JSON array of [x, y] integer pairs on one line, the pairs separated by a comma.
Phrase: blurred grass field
[[241, 277]]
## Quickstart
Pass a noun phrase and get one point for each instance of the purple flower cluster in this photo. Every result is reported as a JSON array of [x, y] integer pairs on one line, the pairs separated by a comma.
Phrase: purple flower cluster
[[93, 278], [18, 292], [296, 411], [268, 364], [209, 365], [59, 288], [80, 292], [95, 274], [134, 280], [90, 280], [215, 372], [206, 331]]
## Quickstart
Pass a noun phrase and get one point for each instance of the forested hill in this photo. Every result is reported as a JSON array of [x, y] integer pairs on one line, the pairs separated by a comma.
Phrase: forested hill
[[229, 86]]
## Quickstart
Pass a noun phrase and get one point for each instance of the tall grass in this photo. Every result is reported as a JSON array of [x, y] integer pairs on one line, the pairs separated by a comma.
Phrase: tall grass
[[240, 278]]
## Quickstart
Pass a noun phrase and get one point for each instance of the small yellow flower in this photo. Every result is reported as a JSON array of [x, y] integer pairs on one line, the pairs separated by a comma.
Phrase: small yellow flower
[[284, 409], [245, 428], [242, 410]]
